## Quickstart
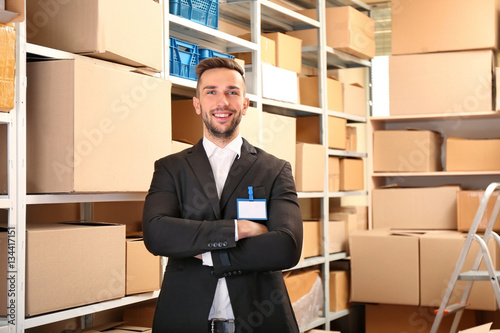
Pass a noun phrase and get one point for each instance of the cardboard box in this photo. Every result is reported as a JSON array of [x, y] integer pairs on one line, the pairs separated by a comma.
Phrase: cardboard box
[[143, 269], [63, 261], [311, 245], [472, 154], [333, 174], [431, 84], [309, 92], [232, 28], [7, 66], [299, 283], [124, 212], [351, 141], [347, 30], [338, 231], [310, 167], [132, 35], [384, 267], [337, 237], [13, 11], [351, 76], [278, 133], [187, 126], [468, 202], [305, 289], [337, 132], [267, 50], [111, 126], [361, 213], [277, 83], [339, 290], [288, 51], [140, 314], [350, 225], [415, 208], [361, 137], [453, 25], [406, 151], [439, 253], [355, 100], [310, 208], [308, 129], [352, 176], [384, 318]]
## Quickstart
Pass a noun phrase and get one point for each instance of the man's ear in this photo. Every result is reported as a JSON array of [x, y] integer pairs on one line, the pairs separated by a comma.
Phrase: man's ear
[[246, 104], [196, 104]]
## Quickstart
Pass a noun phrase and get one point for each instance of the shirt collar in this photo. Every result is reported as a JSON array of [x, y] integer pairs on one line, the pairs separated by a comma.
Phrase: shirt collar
[[234, 145]]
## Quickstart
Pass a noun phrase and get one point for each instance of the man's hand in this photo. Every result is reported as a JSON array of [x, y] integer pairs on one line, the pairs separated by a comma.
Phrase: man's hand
[[248, 228]]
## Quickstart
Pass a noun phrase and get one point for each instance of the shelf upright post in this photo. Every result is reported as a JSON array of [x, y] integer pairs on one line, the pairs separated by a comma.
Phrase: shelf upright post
[[323, 103], [166, 40], [255, 30], [16, 233]]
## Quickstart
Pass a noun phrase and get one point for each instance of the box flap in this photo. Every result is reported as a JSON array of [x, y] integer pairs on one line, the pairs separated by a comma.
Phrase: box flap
[[133, 328], [7, 17], [91, 224], [478, 329], [13, 11]]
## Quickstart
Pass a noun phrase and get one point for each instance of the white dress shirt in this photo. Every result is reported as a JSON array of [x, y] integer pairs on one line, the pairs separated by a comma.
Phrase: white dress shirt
[[221, 160]]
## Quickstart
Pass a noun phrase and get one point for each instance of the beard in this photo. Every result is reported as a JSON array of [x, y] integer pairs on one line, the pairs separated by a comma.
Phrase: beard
[[221, 133]]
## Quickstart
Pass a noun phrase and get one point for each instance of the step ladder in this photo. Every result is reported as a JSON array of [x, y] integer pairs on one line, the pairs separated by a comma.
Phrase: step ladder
[[474, 274]]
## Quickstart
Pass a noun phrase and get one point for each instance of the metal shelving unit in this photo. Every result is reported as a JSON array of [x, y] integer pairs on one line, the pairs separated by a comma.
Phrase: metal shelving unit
[[258, 15], [474, 125], [264, 15]]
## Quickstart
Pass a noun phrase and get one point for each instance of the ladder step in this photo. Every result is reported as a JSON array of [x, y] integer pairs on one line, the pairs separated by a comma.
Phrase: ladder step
[[453, 308], [477, 275]]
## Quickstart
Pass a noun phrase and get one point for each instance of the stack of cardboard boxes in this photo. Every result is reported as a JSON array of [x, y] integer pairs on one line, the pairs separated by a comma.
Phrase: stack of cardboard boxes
[[86, 113], [71, 264], [402, 266], [346, 93]]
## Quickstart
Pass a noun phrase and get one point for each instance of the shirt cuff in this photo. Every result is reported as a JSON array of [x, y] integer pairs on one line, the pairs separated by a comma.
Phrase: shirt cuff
[[207, 259], [236, 230]]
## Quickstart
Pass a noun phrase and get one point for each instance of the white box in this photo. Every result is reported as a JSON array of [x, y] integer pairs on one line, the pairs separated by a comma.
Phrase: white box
[[277, 83]]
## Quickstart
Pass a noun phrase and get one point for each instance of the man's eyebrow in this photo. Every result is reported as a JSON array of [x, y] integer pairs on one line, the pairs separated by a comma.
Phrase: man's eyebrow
[[227, 88]]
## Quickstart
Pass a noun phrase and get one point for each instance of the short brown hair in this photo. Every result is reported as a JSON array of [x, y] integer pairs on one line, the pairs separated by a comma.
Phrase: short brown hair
[[216, 62]]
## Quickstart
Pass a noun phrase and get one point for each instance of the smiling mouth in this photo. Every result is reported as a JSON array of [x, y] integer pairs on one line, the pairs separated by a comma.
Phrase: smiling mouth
[[222, 115]]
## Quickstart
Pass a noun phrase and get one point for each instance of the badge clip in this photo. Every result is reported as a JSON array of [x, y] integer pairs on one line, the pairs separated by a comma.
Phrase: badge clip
[[251, 208]]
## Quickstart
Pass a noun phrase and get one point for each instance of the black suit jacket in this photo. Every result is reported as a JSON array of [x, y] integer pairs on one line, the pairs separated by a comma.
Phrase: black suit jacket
[[183, 217]]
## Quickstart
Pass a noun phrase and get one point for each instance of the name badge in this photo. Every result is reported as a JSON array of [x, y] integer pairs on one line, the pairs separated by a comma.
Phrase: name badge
[[251, 209]]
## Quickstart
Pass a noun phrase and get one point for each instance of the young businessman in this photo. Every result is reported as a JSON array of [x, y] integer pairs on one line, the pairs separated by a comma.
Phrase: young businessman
[[225, 213]]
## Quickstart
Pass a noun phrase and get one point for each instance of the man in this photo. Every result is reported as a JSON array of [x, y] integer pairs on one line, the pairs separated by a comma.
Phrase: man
[[225, 213]]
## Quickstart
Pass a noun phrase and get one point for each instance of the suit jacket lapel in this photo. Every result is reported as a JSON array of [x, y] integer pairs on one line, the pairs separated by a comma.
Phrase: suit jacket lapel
[[198, 160], [238, 170]]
